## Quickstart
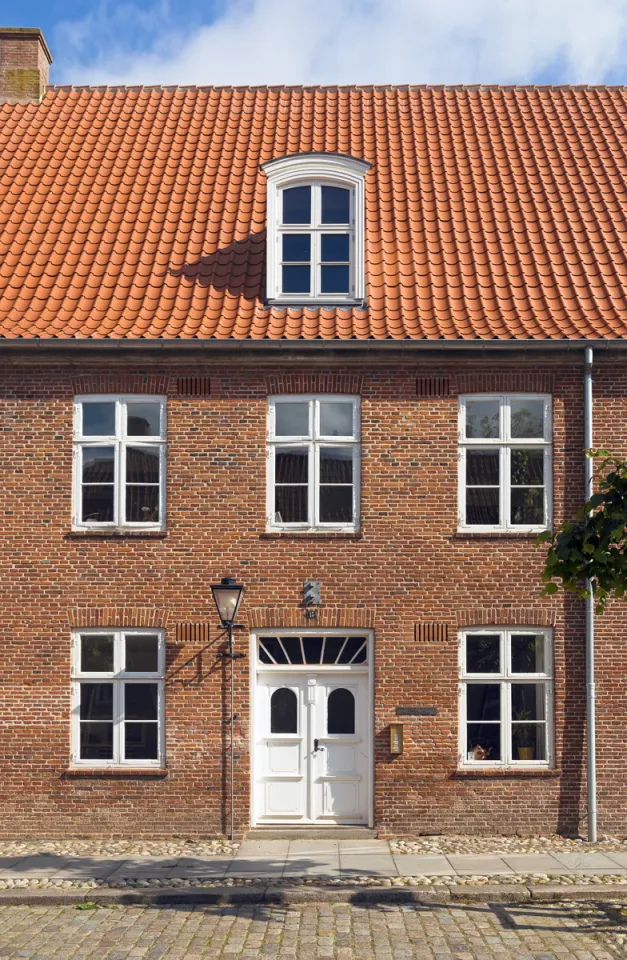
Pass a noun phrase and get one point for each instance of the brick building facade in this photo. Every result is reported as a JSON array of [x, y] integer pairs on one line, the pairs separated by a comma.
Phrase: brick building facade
[[84, 592]]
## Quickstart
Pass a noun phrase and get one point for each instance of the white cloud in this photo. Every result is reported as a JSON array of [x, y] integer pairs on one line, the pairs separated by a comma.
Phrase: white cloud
[[348, 41]]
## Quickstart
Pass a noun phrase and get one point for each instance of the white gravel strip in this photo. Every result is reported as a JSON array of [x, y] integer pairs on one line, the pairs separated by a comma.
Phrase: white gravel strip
[[348, 881], [503, 846], [116, 848]]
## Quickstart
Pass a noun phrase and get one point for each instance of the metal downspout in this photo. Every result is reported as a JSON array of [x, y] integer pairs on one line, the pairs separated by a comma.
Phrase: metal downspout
[[590, 686]]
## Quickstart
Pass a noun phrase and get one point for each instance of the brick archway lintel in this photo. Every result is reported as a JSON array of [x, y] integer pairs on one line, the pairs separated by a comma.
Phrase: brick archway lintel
[[330, 617], [118, 617], [507, 616]]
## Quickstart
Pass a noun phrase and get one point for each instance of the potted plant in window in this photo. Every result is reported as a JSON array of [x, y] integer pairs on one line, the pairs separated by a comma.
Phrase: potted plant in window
[[524, 735]]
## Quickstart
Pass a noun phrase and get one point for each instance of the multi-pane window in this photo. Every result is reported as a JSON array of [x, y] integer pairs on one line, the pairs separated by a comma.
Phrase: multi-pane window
[[506, 697], [313, 462], [505, 462], [119, 461], [316, 239], [118, 697]]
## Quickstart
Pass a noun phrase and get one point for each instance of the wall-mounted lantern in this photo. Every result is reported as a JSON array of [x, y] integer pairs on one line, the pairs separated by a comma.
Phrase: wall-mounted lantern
[[396, 738]]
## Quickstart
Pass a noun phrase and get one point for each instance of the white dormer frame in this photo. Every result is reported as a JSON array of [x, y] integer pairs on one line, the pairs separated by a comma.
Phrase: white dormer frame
[[332, 169]]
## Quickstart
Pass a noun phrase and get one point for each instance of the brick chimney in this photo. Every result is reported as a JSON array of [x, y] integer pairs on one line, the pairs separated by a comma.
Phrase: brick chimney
[[24, 64]]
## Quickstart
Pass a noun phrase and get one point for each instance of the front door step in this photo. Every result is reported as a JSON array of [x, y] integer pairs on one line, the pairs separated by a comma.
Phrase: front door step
[[323, 832]]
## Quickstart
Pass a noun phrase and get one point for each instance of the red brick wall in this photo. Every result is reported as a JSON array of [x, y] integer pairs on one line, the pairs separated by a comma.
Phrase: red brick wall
[[408, 565]]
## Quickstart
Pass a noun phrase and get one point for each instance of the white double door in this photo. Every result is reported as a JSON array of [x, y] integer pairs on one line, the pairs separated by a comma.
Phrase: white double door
[[312, 747]]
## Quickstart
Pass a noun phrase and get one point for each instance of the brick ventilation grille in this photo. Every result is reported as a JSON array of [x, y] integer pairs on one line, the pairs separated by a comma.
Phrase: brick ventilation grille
[[433, 387], [193, 386], [431, 632], [314, 383], [192, 633]]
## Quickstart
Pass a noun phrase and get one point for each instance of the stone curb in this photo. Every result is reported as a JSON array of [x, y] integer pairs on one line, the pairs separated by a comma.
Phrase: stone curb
[[273, 895]]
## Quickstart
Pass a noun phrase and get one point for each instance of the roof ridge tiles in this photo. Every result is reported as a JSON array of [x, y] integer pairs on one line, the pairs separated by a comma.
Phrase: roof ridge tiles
[[331, 88]]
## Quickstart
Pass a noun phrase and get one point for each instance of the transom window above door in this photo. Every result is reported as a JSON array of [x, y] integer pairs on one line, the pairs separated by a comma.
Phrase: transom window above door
[[316, 229], [313, 462], [317, 650], [119, 461]]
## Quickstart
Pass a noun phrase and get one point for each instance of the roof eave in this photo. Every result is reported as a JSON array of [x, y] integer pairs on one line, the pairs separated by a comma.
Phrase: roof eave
[[347, 350]]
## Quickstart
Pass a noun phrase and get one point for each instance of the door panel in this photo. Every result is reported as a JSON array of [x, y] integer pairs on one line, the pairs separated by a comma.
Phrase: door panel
[[312, 766], [281, 752], [339, 782]]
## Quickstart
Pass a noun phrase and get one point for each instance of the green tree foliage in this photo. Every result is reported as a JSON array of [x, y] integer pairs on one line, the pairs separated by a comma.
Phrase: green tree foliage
[[592, 548]]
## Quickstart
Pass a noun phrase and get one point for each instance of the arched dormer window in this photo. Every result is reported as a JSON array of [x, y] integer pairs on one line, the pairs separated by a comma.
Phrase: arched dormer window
[[316, 229]]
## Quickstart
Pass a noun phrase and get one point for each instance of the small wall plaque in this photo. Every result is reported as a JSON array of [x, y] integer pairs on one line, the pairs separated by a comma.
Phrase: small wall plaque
[[416, 711], [396, 739]]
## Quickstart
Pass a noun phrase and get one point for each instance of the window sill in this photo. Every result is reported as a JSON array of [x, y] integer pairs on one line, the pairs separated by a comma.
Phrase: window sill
[[495, 535], [114, 773], [311, 535], [507, 773], [346, 303], [115, 533]]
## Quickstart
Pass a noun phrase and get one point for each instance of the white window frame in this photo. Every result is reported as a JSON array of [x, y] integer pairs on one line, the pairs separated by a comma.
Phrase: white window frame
[[120, 441], [506, 678], [316, 170], [313, 441], [505, 443], [118, 677]]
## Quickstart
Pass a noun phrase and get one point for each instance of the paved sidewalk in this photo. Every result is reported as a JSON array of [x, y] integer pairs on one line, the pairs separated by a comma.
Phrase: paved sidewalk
[[285, 859]]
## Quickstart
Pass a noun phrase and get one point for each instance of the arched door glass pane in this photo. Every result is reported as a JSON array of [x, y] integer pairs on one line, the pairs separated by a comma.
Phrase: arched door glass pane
[[341, 711], [283, 711]]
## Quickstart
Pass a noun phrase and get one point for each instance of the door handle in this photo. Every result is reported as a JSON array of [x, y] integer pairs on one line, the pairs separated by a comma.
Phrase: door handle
[[317, 746]]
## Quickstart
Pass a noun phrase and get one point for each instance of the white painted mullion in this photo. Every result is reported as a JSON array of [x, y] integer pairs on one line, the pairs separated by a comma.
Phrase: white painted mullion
[[75, 720], [356, 483], [505, 419], [462, 489], [339, 656], [78, 484], [316, 270], [463, 722], [358, 652], [506, 689], [316, 217], [314, 484], [162, 482], [548, 486], [119, 483], [160, 722], [506, 721], [118, 653], [285, 653], [118, 725], [267, 652], [271, 494], [505, 487]]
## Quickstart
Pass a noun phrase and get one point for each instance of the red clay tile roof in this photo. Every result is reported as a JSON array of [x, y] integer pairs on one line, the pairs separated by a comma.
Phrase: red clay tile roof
[[490, 212]]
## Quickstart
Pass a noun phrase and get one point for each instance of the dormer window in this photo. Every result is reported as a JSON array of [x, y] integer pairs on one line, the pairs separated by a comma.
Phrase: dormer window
[[316, 229]]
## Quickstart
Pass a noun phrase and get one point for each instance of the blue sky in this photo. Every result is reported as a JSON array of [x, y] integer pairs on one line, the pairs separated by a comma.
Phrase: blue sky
[[330, 41]]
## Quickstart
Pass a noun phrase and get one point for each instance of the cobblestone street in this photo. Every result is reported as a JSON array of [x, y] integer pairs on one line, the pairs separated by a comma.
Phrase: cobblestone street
[[525, 932]]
